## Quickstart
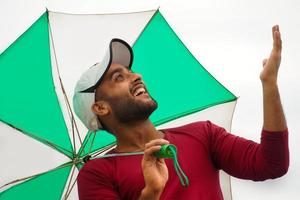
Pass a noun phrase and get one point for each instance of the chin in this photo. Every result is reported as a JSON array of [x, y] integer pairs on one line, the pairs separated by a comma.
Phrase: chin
[[133, 109]]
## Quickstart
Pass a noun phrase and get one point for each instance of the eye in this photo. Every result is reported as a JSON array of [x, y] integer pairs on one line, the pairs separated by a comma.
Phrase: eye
[[118, 77]]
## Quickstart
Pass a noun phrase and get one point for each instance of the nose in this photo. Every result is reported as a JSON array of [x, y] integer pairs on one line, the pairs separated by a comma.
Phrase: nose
[[136, 77]]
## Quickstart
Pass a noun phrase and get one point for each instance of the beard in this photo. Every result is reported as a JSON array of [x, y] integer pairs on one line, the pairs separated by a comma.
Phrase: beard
[[129, 110]]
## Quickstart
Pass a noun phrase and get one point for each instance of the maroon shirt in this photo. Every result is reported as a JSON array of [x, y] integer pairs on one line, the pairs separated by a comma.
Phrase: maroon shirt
[[202, 149]]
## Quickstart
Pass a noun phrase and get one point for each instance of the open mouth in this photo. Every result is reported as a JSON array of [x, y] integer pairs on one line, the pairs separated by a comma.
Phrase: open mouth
[[139, 90]]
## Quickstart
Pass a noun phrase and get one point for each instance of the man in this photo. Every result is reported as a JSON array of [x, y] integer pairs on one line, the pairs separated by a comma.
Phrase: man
[[110, 96]]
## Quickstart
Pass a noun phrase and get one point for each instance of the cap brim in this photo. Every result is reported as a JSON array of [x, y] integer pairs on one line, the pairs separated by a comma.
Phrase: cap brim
[[120, 52]]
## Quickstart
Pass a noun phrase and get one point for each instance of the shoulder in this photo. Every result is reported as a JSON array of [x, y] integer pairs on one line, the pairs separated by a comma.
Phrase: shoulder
[[195, 127], [198, 131], [203, 131]]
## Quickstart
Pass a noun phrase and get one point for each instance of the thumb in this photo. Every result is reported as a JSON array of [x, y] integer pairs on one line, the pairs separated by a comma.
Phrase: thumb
[[265, 61]]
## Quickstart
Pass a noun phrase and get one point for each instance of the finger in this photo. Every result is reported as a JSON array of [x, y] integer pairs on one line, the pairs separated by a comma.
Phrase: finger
[[149, 156], [152, 150], [273, 31], [265, 61], [278, 38], [156, 142], [277, 43], [161, 161]]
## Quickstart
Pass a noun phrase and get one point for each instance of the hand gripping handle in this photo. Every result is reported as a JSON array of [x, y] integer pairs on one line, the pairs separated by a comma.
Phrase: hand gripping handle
[[170, 151]]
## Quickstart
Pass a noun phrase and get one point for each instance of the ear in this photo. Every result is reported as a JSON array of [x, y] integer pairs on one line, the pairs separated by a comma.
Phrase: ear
[[101, 108]]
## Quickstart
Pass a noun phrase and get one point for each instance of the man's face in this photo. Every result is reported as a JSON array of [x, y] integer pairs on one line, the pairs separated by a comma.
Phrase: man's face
[[126, 94]]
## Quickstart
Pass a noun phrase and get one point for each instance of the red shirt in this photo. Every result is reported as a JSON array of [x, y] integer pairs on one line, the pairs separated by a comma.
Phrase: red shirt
[[202, 149]]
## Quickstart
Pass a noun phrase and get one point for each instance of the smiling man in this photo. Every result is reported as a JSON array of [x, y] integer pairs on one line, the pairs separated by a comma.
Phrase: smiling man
[[110, 96]]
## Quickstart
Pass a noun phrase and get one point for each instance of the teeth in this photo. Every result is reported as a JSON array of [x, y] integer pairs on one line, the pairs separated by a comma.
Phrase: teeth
[[139, 91]]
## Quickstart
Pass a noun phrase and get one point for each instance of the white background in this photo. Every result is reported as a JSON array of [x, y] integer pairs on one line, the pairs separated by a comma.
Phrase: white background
[[230, 38]]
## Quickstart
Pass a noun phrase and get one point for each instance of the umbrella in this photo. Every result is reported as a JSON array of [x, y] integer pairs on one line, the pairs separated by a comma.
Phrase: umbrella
[[43, 142]]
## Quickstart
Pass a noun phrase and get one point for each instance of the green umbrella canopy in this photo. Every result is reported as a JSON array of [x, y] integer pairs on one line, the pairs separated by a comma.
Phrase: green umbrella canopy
[[38, 73]]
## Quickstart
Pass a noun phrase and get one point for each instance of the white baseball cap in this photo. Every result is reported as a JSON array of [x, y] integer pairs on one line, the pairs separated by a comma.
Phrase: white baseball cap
[[119, 52]]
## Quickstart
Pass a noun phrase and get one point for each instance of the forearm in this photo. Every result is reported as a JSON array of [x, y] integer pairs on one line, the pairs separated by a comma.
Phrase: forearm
[[274, 119]]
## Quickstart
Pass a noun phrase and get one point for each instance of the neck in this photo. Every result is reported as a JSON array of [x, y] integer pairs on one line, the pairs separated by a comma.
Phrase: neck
[[133, 137]]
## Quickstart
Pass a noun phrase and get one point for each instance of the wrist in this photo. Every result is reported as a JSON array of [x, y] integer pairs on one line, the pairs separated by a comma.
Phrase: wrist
[[269, 84], [150, 193]]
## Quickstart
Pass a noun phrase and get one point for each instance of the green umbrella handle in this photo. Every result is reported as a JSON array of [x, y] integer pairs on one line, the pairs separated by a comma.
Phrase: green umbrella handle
[[166, 151], [170, 151]]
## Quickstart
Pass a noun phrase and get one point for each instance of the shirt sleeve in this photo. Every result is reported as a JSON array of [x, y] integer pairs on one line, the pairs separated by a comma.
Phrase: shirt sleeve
[[246, 159], [95, 185]]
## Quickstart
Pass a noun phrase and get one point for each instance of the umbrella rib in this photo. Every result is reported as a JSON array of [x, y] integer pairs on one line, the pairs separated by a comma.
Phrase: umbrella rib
[[70, 112], [68, 191], [50, 144], [73, 135], [71, 188], [35, 175], [96, 153], [54, 146], [231, 120], [84, 144], [72, 118], [90, 149], [93, 139]]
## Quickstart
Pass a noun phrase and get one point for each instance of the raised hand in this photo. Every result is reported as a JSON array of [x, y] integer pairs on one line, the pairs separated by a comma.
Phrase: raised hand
[[271, 65], [274, 119]]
